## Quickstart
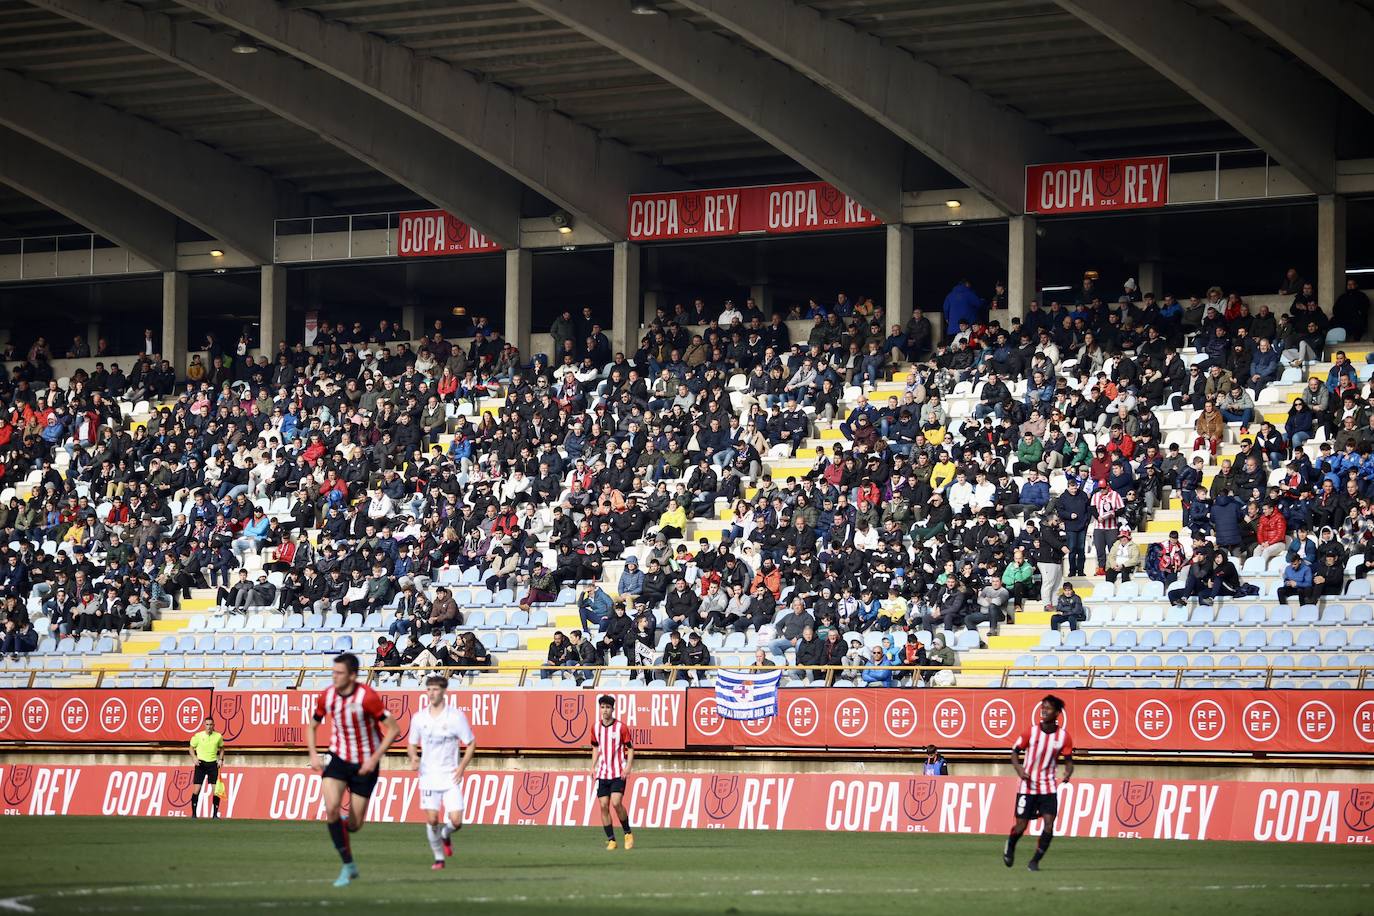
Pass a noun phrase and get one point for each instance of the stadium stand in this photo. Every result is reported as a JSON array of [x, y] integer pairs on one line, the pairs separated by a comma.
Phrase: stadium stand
[[1111, 492]]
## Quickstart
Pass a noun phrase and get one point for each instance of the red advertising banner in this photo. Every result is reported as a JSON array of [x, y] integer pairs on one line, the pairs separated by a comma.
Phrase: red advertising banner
[[101, 715], [1106, 184], [1247, 721], [811, 206], [533, 719], [1156, 809], [430, 233]]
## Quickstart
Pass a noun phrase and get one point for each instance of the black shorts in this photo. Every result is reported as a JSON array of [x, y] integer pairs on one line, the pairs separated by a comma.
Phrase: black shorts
[[205, 769], [347, 773], [605, 788], [1030, 807]]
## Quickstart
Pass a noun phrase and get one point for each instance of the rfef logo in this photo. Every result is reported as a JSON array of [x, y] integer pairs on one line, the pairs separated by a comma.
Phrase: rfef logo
[[949, 718], [1154, 720], [851, 717], [1260, 719], [1316, 721], [76, 715], [707, 717], [114, 715], [999, 719], [35, 714], [1135, 803], [1207, 720], [1100, 719], [900, 718], [721, 798], [190, 714], [151, 715], [568, 721], [802, 716]]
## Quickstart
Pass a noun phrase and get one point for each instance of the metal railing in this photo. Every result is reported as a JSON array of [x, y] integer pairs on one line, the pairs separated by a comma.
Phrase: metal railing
[[591, 675]]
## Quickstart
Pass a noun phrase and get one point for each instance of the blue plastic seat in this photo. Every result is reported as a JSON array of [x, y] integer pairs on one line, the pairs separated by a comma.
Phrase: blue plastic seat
[[1176, 639], [1228, 615], [1228, 640], [1255, 640], [1074, 639], [1332, 615], [1202, 616], [1280, 640], [1254, 616], [1307, 615], [1150, 640], [1049, 641], [1202, 641], [353, 621], [1124, 640], [333, 622], [475, 619], [1100, 639], [496, 619], [1334, 640]]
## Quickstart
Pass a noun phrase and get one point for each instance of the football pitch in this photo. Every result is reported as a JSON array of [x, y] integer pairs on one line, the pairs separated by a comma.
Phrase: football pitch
[[125, 865]]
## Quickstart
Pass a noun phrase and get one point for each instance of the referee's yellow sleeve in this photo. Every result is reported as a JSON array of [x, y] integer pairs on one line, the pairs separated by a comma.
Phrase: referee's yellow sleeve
[[207, 747]]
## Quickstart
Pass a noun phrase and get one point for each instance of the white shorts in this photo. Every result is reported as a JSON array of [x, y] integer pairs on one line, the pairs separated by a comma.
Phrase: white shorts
[[450, 799]]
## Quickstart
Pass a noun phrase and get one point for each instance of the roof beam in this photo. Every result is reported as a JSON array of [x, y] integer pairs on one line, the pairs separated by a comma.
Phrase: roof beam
[[799, 118], [406, 151], [968, 134], [1331, 36], [567, 162], [1267, 99], [208, 189], [107, 209]]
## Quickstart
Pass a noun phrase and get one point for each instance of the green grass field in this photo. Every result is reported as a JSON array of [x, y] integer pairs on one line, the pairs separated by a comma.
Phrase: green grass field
[[110, 865]]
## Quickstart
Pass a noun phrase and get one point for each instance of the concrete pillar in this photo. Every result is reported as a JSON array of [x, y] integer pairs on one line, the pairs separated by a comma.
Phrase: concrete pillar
[[1330, 250], [652, 300], [899, 275], [93, 335], [624, 331], [413, 320], [519, 299], [762, 294], [175, 307], [272, 305], [1021, 287], [1149, 278]]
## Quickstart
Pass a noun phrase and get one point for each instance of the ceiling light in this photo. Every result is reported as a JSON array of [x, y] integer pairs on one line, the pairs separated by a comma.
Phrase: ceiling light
[[643, 8], [1055, 289], [1361, 270], [953, 204], [244, 45], [956, 222], [220, 270], [562, 221], [569, 247], [216, 253], [459, 311]]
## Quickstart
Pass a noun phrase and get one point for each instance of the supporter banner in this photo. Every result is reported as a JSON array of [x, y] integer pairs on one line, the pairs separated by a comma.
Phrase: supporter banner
[[428, 233], [101, 715], [517, 718], [1247, 721], [1107, 184], [1147, 808], [811, 206]]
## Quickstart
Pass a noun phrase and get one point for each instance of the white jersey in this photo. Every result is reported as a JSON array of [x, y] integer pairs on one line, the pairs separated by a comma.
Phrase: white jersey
[[440, 739]]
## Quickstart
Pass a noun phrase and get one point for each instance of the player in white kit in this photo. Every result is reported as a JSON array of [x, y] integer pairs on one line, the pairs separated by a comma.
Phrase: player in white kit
[[436, 734]]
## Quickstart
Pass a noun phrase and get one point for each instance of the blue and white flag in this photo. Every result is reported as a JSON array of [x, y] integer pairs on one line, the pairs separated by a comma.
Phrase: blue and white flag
[[747, 694]]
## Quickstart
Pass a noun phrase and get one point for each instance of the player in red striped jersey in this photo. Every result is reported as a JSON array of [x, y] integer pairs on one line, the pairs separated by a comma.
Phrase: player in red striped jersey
[[362, 731], [1043, 745], [612, 756]]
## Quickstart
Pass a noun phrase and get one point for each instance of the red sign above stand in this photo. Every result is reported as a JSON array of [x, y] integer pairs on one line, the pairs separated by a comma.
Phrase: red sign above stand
[[782, 209], [1091, 187], [433, 233]]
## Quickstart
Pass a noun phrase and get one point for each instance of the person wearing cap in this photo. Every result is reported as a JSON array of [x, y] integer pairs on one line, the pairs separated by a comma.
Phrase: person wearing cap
[[1123, 558]]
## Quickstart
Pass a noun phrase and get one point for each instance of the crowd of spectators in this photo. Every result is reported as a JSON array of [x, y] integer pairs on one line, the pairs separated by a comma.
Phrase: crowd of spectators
[[914, 520]]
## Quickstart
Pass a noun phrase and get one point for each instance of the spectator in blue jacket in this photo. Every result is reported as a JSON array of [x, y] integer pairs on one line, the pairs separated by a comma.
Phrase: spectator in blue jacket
[[1264, 366], [1297, 580], [1035, 494], [631, 579], [962, 304], [1227, 515], [593, 607], [878, 672]]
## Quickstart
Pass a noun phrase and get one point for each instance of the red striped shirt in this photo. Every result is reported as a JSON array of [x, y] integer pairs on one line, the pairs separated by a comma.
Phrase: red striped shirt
[[1107, 503], [1041, 758], [613, 740], [357, 733]]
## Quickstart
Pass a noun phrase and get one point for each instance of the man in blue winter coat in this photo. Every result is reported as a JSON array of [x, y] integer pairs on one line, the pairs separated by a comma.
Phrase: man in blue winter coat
[[962, 304]]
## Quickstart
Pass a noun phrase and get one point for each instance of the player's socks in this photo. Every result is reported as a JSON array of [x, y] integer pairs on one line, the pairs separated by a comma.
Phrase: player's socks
[[610, 831], [1041, 847], [195, 803], [214, 803], [339, 835], [1009, 851], [436, 841]]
